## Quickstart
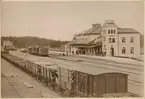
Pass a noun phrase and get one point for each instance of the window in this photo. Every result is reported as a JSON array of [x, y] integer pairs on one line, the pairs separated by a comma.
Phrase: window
[[114, 31], [111, 40], [108, 31], [132, 50], [123, 39], [131, 39], [86, 39], [123, 50], [111, 31]]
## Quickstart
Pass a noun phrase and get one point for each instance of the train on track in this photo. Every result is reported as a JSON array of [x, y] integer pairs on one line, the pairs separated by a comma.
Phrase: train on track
[[72, 81], [39, 50], [43, 51]]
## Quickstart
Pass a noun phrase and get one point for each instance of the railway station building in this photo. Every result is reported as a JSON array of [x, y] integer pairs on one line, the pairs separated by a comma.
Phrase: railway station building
[[109, 39]]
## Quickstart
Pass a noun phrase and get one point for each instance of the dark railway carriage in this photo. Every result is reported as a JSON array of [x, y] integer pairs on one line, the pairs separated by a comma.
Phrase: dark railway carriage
[[96, 85], [43, 51]]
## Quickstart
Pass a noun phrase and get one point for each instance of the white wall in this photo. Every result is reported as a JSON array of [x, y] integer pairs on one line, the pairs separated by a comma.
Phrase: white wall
[[80, 39], [107, 43], [128, 45], [88, 37]]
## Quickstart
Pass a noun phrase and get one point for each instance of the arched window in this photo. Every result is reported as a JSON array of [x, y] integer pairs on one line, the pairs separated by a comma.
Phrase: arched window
[[123, 50], [132, 50], [108, 31]]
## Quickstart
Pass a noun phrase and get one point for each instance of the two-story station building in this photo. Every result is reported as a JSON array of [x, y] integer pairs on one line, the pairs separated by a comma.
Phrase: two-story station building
[[109, 39]]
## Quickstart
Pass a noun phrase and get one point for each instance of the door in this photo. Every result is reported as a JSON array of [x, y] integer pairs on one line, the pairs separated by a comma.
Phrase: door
[[112, 51], [112, 85], [101, 85]]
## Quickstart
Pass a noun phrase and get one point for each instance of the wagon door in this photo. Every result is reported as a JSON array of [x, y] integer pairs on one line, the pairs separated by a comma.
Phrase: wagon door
[[83, 84], [122, 83], [101, 88]]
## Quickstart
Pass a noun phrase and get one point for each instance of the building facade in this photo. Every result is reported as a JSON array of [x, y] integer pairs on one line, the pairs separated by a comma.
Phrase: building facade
[[109, 39]]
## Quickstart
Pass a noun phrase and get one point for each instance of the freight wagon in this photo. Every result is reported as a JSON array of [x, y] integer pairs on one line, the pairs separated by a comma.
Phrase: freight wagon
[[90, 82], [39, 50], [78, 80], [43, 51]]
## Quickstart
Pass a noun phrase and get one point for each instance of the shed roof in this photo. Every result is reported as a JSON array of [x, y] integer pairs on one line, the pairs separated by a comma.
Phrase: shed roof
[[90, 70], [84, 69]]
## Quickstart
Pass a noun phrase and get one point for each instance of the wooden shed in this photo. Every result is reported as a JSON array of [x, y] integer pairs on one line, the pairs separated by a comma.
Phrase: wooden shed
[[98, 82]]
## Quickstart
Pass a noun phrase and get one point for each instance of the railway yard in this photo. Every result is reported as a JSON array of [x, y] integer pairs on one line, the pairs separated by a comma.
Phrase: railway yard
[[16, 83]]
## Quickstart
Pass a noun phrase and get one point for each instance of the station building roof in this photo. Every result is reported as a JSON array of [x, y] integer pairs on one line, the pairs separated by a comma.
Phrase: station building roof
[[126, 31]]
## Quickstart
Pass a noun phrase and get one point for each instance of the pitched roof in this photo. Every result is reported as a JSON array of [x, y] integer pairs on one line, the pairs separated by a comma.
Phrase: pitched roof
[[96, 29], [126, 30]]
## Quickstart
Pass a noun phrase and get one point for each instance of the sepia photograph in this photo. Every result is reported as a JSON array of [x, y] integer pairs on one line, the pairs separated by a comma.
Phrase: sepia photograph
[[72, 49]]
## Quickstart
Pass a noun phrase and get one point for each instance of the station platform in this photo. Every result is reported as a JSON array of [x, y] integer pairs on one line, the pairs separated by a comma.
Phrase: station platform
[[116, 59]]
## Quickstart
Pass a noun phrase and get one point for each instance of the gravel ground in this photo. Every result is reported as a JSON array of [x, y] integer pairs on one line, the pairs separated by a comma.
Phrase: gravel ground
[[16, 84]]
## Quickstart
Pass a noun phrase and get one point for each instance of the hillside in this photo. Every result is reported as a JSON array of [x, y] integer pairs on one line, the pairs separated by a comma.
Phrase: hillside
[[21, 42]]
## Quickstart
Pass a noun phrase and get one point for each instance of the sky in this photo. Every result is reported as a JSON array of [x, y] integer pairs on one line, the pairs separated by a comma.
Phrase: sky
[[61, 20]]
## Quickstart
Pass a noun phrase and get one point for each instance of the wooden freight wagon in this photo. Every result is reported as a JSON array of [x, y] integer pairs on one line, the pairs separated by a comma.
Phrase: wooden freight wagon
[[30, 49], [95, 83], [46, 68], [36, 50], [43, 51], [64, 77]]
